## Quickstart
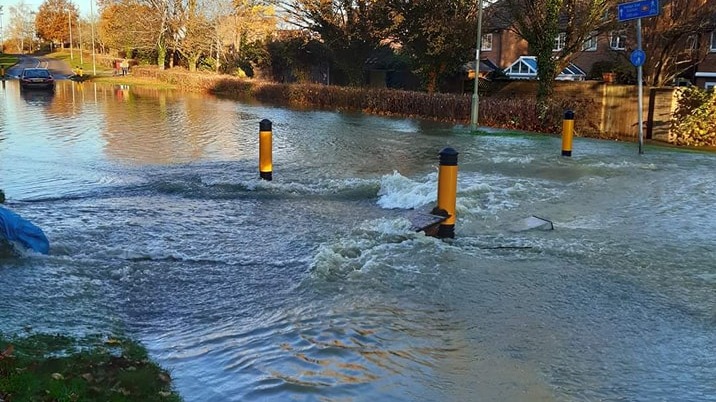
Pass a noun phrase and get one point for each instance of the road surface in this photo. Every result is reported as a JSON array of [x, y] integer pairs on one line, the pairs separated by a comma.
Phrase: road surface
[[59, 69]]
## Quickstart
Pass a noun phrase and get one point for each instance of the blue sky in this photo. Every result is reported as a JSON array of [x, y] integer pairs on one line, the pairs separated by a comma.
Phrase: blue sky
[[83, 5]]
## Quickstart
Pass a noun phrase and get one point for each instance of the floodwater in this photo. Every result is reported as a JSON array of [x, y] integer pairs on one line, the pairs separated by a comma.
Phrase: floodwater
[[314, 287]]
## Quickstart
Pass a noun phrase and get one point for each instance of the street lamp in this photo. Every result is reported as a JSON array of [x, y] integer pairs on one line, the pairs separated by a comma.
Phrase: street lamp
[[94, 64], [69, 22], [475, 97], [2, 34]]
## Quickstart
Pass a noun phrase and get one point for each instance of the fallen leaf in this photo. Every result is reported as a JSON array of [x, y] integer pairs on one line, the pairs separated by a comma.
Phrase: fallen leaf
[[7, 352], [57, 376]]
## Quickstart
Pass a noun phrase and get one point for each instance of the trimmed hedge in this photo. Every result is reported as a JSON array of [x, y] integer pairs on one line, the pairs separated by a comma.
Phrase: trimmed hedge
[[518, 114]]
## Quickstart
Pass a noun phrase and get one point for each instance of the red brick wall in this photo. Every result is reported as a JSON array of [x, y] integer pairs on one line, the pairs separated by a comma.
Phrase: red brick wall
[[506, 48], [586, 59], [707, 66]]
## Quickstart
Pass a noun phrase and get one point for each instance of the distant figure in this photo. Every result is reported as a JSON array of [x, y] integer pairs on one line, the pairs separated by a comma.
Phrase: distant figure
[[125, 67]]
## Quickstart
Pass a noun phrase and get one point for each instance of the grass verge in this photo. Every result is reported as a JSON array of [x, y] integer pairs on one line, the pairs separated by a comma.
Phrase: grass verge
[[73, 60], [138, 81], [51, 367], [7, 60]]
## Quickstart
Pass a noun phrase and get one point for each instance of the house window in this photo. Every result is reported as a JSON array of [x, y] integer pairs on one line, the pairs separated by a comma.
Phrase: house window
[[710, 86], [486, 42], [713, 41], [617, 40], [559, 42], [520, 68], [590, 45]]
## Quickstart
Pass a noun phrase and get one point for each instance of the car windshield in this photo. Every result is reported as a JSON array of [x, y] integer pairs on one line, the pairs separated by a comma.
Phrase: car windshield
[[37, 74]]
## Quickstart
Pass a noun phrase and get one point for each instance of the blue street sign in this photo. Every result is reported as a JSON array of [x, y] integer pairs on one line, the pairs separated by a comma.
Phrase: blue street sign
[[638, 9], [637, 57]]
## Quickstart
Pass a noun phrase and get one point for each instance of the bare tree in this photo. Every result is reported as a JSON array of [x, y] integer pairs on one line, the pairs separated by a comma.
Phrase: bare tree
[[676, 40], [20, 29]]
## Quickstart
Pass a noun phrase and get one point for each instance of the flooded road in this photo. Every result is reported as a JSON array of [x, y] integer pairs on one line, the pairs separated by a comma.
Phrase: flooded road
[[314, 287]]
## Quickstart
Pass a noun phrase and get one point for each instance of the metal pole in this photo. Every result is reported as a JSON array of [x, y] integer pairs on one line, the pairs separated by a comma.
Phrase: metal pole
[[94, 64], [640, 111], [2, 34], [79, 31], [475, 97], [69, 22]]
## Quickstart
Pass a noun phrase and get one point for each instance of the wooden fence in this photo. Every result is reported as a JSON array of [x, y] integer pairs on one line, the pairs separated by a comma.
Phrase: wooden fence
[[615, 111]]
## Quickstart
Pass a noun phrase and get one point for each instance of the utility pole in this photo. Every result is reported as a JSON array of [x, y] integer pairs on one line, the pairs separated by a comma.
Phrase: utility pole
[[69, 22], [2, 34], [475, 97], [94, 64]]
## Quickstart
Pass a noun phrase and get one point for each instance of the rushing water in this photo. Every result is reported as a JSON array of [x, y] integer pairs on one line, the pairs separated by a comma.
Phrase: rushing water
[[314, 287]]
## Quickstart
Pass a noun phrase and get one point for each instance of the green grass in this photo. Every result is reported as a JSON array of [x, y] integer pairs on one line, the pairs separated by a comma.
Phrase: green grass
[[46, 367], [86, 64], [7, 60]]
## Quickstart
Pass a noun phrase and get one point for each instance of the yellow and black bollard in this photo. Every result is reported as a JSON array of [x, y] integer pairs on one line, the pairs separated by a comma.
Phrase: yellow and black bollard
[[567, 133], [265, 144], [447, 191]]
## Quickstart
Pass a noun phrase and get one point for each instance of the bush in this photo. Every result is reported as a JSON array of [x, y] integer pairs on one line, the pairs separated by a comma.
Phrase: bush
[[694, 121]]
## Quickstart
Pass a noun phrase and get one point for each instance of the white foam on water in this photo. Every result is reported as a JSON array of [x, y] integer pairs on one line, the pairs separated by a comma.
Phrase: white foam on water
[[398, 191], [519, 160], [368, 247], [319, 187]]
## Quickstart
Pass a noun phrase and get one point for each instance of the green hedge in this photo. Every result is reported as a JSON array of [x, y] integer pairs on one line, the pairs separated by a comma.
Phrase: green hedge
[[518, 114]]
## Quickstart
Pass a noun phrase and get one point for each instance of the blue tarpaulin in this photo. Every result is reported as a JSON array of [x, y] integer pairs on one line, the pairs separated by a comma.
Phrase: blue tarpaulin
[[18, 230]]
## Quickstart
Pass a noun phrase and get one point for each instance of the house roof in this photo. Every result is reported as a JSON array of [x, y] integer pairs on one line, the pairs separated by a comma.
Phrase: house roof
[[525, 67], [486, 65]]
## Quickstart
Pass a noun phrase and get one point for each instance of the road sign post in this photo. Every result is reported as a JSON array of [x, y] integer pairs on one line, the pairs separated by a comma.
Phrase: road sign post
[[636, 10]]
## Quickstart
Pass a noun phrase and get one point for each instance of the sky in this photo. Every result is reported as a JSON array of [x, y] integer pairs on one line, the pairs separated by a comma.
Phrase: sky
[[83, 5]]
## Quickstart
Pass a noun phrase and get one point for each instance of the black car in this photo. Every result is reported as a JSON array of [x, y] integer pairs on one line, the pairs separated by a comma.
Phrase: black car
[[36, 78]]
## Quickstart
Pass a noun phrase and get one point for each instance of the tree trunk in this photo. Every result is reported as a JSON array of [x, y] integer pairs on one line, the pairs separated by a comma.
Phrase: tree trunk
[[161, 55], [432, 81], [193, 60]]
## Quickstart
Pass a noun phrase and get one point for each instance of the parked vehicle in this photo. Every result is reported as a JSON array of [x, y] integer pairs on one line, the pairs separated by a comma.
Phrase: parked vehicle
[[40, 78]]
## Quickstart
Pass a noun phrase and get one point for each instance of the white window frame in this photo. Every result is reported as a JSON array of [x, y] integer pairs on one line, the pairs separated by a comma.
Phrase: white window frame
[[590, 45], [486, 43], [710, 86], [713, 41], [560, 41], [617, 40]]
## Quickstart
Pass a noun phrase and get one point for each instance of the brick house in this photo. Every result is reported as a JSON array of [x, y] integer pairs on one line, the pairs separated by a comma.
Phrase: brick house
[[705, 75], [502, 47]]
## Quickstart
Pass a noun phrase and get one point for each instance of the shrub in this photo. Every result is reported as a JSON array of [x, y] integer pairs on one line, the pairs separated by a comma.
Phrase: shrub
[[694, 122]]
